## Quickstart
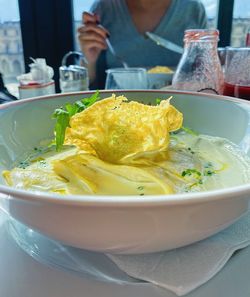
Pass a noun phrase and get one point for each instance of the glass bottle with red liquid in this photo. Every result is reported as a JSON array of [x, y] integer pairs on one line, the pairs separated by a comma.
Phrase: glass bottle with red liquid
[[199, 68], [237, 73]]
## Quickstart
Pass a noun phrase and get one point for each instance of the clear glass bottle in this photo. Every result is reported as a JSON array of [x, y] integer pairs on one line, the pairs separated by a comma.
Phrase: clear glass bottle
[[199, 68]]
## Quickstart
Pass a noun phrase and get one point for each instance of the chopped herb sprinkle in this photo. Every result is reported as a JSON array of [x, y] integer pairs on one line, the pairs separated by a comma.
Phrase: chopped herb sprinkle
[[190, 171], [209, 173], [191, 151], [23, 164]]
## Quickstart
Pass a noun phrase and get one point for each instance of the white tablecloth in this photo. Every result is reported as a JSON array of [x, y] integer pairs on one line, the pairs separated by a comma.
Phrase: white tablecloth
[[22, 276]]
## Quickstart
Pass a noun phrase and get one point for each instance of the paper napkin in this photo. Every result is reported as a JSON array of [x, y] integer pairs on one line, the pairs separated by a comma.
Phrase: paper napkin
[[184, 269]]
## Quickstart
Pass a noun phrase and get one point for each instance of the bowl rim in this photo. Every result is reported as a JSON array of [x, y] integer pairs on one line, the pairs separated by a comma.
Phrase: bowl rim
[[156, 91], [126, 200]]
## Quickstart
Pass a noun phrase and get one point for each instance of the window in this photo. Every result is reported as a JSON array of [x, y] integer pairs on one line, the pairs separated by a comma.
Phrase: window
[[211, 7], [78, 7], [241, 22], [11, 51]]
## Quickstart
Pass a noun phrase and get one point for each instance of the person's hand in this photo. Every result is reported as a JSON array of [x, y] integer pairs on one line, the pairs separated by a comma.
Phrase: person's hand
[[92, 37]]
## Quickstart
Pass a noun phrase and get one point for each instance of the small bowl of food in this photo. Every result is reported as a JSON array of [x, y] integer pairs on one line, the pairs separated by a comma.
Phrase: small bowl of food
[[126, 171], [159, 77]]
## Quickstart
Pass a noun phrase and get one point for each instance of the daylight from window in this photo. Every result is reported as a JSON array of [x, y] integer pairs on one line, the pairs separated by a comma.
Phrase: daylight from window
[[241, 22], [11, 51]]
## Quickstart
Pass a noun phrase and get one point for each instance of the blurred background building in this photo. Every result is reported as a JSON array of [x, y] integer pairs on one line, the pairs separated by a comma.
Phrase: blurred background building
[[11, 50]]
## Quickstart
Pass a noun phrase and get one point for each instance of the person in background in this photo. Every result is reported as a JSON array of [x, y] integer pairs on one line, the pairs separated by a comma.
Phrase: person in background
[[125, 22]]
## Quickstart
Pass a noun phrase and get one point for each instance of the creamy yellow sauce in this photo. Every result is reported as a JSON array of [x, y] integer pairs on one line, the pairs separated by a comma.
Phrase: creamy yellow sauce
[[194, 163]]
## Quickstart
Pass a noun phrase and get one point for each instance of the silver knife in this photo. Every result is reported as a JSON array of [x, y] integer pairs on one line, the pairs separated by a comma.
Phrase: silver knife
[[165, 43]]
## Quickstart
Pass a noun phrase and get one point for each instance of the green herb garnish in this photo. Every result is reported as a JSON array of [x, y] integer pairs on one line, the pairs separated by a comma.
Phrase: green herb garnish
[[189, 131], [195, 176], [64, 113], [158, 101], [191, 151], [209, 172], [209, 169], [62, 122], [23, 164], [140, 188], [190, 172]]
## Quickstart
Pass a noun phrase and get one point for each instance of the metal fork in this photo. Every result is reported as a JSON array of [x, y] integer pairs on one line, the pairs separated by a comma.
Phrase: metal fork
[[110, 47]]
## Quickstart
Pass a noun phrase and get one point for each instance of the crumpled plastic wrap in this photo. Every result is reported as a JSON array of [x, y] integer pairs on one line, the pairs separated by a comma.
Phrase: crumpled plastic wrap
[[40, 73]]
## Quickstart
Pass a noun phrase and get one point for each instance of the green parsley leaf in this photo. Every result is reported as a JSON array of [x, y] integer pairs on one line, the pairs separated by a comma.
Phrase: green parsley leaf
[[63, 115], [158, 101], [189, 131], [190, 171], [62, 122]]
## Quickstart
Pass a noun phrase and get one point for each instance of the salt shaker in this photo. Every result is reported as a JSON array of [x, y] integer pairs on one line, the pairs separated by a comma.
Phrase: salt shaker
[[73, 78], [199, 68]]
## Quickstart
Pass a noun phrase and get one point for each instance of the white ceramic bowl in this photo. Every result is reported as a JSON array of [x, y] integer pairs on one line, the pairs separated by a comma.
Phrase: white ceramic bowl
[[125, 224]]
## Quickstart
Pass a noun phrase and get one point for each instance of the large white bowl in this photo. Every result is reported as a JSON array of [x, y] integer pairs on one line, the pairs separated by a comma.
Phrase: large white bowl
[[125, 224]]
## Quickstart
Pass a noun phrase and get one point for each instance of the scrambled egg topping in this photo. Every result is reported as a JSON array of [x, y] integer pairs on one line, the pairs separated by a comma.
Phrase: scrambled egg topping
[[116, 148], [120, 132]]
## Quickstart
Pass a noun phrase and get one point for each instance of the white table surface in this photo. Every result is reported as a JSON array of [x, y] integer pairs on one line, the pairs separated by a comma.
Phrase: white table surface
[[22, 276]]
